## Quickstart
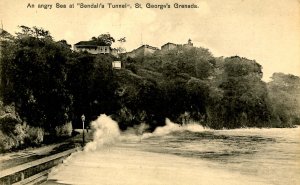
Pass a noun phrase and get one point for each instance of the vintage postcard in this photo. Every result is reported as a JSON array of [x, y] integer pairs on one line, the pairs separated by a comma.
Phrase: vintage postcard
[[150, 92]]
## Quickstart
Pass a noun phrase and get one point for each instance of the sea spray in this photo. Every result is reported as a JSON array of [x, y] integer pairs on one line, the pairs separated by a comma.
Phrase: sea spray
[[173, 127], [106, 133]]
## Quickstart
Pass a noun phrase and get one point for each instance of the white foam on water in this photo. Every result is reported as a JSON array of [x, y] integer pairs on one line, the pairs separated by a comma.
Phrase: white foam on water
[[173, 127]]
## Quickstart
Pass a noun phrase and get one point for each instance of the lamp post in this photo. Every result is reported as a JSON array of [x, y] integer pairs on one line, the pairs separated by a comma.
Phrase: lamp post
[[82, 119]]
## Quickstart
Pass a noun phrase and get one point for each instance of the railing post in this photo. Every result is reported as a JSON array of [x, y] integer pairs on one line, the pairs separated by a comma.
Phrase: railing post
[[83, 119]]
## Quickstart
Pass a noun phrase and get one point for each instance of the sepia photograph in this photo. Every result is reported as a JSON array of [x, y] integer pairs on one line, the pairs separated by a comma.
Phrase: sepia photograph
[[150, 92]]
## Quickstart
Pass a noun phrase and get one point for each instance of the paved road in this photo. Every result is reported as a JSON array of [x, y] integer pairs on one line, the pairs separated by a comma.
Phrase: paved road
[[9, 160]]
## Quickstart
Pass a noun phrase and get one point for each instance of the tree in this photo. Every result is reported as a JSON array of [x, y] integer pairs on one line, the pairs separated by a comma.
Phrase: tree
[[7, 54], [4, 35], [38, 33], [121, 49], [35, 79], [244, 101], [103, 40], [284, 99], [197, 98]]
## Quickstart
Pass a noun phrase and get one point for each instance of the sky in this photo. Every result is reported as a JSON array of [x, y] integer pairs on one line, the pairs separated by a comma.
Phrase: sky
[[267, 31]]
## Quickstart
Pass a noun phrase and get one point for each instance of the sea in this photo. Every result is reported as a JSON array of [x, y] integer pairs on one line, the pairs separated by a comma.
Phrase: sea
[[183, 155]]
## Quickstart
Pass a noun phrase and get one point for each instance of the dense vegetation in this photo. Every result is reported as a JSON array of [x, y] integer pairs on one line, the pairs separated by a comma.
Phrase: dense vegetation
[[45, 87]]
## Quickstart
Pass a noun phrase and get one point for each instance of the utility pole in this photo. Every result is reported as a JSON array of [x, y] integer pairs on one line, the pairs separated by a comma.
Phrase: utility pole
[[1, 31], [1, 42], [1, 27]]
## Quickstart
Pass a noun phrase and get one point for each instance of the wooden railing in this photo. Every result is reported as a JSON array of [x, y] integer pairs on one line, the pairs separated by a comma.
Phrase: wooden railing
[[33, 172]]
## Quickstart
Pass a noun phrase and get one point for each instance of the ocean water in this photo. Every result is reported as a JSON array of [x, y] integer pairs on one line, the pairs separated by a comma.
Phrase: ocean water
[[188, 154]]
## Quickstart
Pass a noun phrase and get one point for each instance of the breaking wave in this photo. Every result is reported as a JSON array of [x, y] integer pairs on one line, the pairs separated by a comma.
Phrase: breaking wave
[[173, 127], [106, 133]]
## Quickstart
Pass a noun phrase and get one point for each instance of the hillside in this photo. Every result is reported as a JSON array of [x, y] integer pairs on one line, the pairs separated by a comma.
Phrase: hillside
[[51, 86]]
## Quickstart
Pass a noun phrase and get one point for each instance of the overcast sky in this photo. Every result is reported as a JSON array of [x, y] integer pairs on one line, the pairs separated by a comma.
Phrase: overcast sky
[[265, 30]]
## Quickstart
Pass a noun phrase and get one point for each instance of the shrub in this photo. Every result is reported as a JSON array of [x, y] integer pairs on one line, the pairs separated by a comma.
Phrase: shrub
[[21, 132], [27, 135], [35, 135], [8, 123], [64, 130], [6, 142]]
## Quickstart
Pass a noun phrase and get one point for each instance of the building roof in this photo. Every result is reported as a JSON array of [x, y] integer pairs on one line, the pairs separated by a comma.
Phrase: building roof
[[143, 46], [168, 44], [147, 46], [151, 47], [86, 43]]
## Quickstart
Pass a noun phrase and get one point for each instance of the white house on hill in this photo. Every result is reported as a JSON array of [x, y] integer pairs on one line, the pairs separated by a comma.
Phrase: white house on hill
[[93, 48]]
